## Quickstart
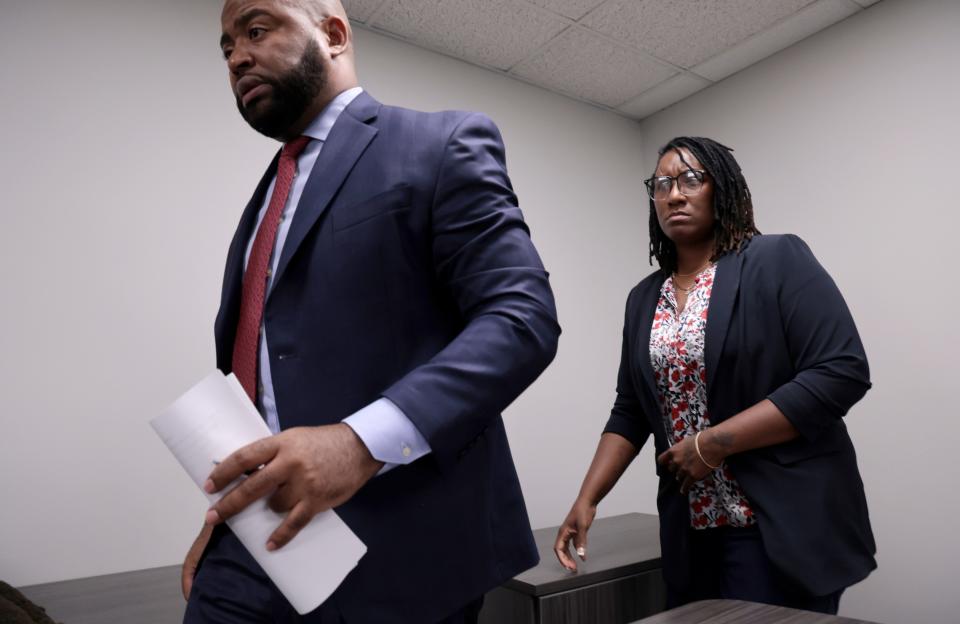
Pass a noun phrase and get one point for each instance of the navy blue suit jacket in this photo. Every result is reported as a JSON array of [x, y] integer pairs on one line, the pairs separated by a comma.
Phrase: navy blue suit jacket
[[778, 329], [409, 273]]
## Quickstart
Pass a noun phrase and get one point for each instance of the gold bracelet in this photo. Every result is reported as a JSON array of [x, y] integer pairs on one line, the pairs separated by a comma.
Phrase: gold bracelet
[[696, 445]]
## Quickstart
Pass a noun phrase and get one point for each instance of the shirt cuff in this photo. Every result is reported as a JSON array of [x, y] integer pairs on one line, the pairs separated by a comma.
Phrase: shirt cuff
[[389, 435]]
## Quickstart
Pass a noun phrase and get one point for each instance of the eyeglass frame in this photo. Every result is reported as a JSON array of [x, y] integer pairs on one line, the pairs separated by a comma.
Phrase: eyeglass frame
[[675, 181]]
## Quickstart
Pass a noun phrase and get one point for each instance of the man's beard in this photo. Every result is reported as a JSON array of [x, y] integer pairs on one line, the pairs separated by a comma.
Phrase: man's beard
[[291, 95]]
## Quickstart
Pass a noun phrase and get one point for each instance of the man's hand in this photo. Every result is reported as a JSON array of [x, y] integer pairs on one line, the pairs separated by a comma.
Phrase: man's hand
[[304, 471], [574, 528], [682, 460], [189, 569]]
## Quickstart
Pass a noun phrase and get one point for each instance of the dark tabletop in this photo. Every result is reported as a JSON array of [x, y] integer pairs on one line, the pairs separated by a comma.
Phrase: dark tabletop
[[617, 546], [141, 597], [739, 612]]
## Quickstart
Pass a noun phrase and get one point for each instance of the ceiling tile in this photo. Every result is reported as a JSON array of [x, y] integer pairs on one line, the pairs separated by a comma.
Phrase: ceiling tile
[[592, 68], [787, 32], [498, 34], [574, 9], [361, 10], [687, 32], [663, 95]]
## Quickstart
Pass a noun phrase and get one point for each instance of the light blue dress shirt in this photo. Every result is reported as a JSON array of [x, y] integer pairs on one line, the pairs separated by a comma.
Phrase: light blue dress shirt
[[389, 435]]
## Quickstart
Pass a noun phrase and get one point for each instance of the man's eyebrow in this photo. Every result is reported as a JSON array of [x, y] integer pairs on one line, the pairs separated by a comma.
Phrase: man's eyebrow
[[248, 16], [242, 20]]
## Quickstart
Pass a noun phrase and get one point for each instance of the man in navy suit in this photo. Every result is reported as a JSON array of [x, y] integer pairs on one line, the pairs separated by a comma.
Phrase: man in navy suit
[[401, 307]]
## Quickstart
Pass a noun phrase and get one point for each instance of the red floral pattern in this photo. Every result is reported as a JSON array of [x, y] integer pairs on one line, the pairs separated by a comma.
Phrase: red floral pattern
[[677, 357]]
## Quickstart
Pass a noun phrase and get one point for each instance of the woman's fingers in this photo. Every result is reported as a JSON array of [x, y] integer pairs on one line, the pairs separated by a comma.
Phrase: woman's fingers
[[584, 520], [580, 544], [562, 545]]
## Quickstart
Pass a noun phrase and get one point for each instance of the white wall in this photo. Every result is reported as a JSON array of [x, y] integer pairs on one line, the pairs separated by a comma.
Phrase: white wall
[[850, 140], [124, 169]]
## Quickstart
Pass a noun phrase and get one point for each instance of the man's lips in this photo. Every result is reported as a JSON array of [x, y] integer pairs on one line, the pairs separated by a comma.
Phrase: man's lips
[[254, 93], [249, 88], [678, 216]]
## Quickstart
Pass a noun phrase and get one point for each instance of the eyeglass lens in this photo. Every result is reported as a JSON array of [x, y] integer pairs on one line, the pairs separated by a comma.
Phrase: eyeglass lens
[[689, 183]]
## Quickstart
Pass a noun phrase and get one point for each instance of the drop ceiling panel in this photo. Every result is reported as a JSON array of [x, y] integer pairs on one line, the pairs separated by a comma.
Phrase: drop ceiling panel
[[687, 32], [592, 68], [811, 19], [574, 9], [631, 57], [663, 95], [497, 34], [361, 10]]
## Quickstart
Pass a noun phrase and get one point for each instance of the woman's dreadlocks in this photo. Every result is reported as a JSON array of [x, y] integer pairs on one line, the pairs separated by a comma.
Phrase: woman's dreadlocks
[[732, 205]]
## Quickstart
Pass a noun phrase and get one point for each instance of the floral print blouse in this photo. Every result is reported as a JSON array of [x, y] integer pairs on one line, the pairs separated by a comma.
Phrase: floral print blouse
[[677, 357]]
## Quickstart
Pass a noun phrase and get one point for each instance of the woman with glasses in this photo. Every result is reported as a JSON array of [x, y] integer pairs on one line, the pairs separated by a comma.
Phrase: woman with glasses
[[740, 357]]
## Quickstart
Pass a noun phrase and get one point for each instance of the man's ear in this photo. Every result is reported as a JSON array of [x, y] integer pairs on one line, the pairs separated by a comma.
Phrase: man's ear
[[337, 33]]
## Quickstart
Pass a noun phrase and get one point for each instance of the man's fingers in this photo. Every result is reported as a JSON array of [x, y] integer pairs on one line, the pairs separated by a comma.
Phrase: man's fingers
[[186, 581], [258, 485], [283, 499], [242, 461], [298, 518], [189, 568]]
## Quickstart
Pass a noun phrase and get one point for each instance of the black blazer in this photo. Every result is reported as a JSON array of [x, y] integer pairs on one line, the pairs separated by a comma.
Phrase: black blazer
[[409, 273], [777, 329]]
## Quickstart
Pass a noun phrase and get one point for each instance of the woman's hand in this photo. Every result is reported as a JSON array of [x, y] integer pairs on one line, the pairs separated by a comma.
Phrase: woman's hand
[[686, 465], [574, 528], [755, 427], [614, 454]]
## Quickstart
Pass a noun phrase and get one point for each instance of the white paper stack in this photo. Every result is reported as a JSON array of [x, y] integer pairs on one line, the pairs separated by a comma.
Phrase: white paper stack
[[211, 421]]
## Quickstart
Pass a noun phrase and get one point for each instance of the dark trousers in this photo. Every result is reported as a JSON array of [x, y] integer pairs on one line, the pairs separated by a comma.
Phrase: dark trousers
[[231, 588], [730, 563]]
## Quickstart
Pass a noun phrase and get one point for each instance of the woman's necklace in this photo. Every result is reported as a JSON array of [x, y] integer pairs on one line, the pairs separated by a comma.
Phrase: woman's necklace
[[693, 284], [698, 271]]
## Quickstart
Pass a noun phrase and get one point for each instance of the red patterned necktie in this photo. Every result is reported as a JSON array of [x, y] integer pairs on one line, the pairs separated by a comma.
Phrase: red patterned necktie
[[247, 343]]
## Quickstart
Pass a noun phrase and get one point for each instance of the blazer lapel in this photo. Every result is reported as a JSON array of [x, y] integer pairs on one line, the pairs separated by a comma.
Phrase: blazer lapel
[[233, 274], [726, 285], [345, 144], [648, 308]]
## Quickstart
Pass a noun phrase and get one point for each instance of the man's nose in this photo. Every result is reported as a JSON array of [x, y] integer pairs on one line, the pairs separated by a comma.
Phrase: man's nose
[[240, 59]]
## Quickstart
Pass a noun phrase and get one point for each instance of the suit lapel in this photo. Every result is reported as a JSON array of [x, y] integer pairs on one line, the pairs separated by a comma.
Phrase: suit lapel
[[233, 274], [726, 285], [345, 144], [238, 248]]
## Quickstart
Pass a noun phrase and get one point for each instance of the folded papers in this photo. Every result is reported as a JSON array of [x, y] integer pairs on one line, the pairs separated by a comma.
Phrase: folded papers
[[209, 422]]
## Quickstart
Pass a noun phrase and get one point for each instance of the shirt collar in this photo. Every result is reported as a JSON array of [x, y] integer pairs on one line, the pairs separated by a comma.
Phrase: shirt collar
[[320, 127]]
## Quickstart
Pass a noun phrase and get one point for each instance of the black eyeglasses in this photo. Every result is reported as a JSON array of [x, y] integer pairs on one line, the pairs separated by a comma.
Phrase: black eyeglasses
[[689, 183]]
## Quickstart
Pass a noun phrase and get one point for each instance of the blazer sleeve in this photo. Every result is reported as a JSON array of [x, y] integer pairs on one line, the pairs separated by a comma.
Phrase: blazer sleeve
[[484, 259], [823, 343], [626, 417]]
